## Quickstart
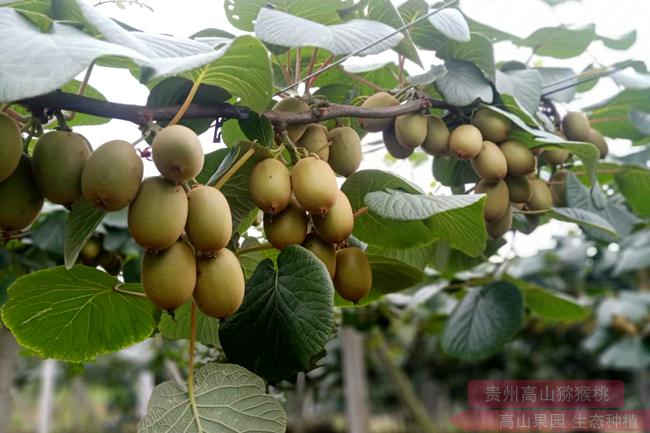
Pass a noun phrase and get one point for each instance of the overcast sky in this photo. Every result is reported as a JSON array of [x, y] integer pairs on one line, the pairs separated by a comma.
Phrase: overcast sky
[[521, 17]]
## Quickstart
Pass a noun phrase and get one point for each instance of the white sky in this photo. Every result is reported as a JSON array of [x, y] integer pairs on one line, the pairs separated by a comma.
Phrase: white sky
[[520, 17]]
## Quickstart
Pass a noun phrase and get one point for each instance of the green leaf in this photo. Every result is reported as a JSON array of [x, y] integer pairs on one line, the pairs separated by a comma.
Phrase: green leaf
[[388, 276], [634, 184], [177, 327], [257, 128], [628, 353], [82, 222], [435, 72], [82, 119], [372, 228], [228, 399], [384, 11], [583, 218], [236, 189], [231, 158], [74, 315], [556, 78], [286, 318], [549, 305], [48, 234], [478, 51], [398, 205], [463, 84], [242, 13], [286, 30], [483, 321], [453, 171], [244, 70], [417, 257], [560, 42], [526, 88], [451, 23], [623, 42], [174, 91], [612, 117]]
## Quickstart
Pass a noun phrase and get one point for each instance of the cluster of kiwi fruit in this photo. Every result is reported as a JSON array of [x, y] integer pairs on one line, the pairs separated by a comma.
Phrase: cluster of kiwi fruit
[[184, 233], [506, 167], [304, 206]]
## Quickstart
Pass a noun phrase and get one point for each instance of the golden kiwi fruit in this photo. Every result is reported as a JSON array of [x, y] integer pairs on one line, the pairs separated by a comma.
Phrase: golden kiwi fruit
[[323, 250], [336, 225], [209, 222], [497, 199], [353, 276], [20, 198], [411, 129], [219, 285], [11, 146], [177, 153], [378, 100], [169, 276], [575, 126], [315, 140], [520, 159], [345, 150], [490, 163], [436, 141], [465, 141], [540, 197], [493, 126], [288, 227], [314, 185], [270, 186]]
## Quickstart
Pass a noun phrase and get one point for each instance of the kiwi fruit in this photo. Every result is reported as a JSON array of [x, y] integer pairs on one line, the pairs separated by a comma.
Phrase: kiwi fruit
[[498, 228], [497, 199], [323, 250], [378, 100], [575, 126], [558, 188], [288, 227], [345, 150], [293, 105], [158, 213], [520, 159], [411, 129], [336, 225], [518, 188], [20, 199], [270, 186], [209, 222], [219, 285], [436, 141], [58, 160], [540, 198], [353, 275], [597, 139], [11, 146], [465, 141], [314, 185], [490, 163], [111, 176], [90, 252], [177, 153], [493, 126], [556, 156], [169, 276], [395, 149], [315, 140]]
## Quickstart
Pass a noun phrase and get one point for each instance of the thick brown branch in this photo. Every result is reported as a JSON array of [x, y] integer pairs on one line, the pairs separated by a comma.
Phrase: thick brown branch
[[133, 113], [141, 115]]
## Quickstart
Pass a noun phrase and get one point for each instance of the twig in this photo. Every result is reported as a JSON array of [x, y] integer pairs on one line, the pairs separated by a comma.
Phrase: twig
[[532, 212], [186, 104], [361, 212], [378, 41], [190, 369], [310, 68], [298, 65], [129, 293], [233, 169], [365, 82]]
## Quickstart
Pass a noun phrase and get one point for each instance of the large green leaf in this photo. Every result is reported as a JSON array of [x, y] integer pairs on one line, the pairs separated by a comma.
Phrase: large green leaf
[[463, 84], [286, 30], [75, 315], [177, 327], [453, 171], [242, 13], [228, 399], [549, 305], [384, 11], [634, 184], [244, 70], [451, 23], [372, 228], [47, 234], [455, 219], [483, 321], [388, 276], [478, 51], [82, 222], [612, 117], [560, 42], [417, 257], [286, 318], [583, 218]]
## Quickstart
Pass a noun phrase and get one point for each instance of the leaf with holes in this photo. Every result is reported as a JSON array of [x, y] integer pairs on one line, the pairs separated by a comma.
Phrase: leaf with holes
[[74, 315], [483, 321], [286, 318], [229, 398]]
